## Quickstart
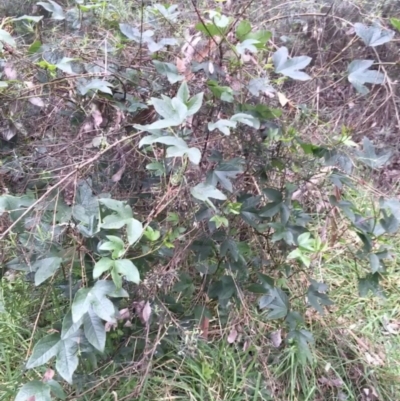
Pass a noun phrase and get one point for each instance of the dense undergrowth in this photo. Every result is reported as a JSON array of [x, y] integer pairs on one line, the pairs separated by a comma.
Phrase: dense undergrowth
[[199, 201]]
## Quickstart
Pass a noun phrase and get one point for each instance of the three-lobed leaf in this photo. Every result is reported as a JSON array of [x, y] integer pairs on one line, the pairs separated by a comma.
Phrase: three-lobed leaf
[[224, 172], [247, 44], [96, 85], [243, 28], [45, 349], [259, 86], [360, 74], [373, 35], [370, 157], [34, 390], [101, 266], [204, 191], [69, 327], [278, 303], [45, 268], [177, 147], [222, 125], [126, 268], [246, 119], [169, 70], [290, 67], [94, 330], [67, 359], [317, 297]]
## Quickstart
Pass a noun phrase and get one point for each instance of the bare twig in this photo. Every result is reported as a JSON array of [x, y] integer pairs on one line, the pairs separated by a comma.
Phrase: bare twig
[[66, 178]]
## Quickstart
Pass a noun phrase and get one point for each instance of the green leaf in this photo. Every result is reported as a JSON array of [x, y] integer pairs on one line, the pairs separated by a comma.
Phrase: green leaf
[[369, 157], [223, 126], [183, 93], [243, 28], [7, 38], [267, 282], [270, 210], [44, 350], [262, 111], [81, 304], [360, 74], [67, 359], [246, 119], [210, 29], [180, 108], [204, 191], [259, 86], [157, 46], [135, 34], [161, 124], [193, 154], [169, 70], [113, 222], [86, 205], [69, 328], [277, 301], [169, 12], [393, 205], [30, 18], [96, 85], [174, 110], [54, 8], [375, 263], [126, 268], [370, 283], [151, 234], [163, 107], [303, 339], [273, 194], [178, 147], [373, 35], [294, 319], [45, 268], [316, 296], [65, 65], [290, 67], [172, 141], [116, 278], [261, 36], [94, 330], [194, 104], [306, 242], [257, 289], [229, 246], [389, 223], [224, 93], [122, 217], [247, 44], [396, 23], [220, 20], [104, 308], [223, 289], [206, 268], [101, 266], [56, 389], [223, 174], [97, 298], [34, 390], [134, 230], [115, 244]]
